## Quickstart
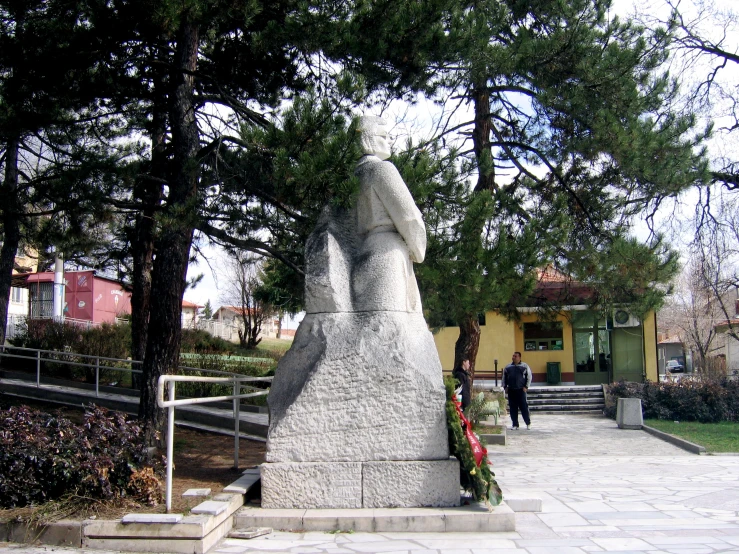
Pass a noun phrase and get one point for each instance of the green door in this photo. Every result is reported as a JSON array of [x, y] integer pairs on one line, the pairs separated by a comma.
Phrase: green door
[[592, 348], [628, 354]]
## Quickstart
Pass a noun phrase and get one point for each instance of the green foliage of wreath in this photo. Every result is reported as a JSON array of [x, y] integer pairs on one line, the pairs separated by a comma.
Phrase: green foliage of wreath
[[479, 481]]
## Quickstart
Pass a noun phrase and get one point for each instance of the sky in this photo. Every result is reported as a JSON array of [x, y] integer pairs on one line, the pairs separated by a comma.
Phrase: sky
[[673, 218]]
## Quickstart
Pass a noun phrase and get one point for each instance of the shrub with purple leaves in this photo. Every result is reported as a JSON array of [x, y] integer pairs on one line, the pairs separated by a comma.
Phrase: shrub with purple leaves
[[45, 456], [685, 400]]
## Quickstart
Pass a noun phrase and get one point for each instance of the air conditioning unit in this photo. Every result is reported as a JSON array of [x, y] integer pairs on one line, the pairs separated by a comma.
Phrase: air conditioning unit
[[624, 318]]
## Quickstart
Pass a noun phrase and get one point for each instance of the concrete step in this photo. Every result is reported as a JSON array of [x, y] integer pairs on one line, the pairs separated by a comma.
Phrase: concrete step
[[567, 412], [564, 401], [569, 408], [566, 388], [474, 517], [594, 394]]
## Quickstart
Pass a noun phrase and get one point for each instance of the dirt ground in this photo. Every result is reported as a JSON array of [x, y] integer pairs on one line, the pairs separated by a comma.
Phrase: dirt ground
[[202, 460], [205, 460]]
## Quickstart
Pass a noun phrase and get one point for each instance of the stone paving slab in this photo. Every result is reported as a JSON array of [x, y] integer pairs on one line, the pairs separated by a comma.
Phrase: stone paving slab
[[602, 490]]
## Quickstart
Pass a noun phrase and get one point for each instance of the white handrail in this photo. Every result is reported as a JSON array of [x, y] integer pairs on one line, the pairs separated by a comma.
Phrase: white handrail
[[172, 402]]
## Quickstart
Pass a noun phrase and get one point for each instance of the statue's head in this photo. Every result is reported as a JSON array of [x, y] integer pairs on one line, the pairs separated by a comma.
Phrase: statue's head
[[373, 138]]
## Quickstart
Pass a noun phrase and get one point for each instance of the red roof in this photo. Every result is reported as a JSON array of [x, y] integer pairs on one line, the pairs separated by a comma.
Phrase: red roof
[[186, 304], [560, 292], [727, 322]]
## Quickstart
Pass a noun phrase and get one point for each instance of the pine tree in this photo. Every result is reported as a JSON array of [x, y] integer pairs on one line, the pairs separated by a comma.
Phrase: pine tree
[[48, 74], [241, 58], [569, 136]]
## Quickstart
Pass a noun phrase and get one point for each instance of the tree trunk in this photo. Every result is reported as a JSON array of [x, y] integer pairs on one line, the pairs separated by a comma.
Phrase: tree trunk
[[175, 237], [148, 191], [11, 230], [468, 343], [481, 138]]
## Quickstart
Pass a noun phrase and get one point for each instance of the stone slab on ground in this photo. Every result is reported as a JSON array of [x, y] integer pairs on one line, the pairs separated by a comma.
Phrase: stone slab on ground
[[243, 483], [472, 518], [523, 503], [396, 484], [196, 492], [210, 507], [151, 518], [249, 532]]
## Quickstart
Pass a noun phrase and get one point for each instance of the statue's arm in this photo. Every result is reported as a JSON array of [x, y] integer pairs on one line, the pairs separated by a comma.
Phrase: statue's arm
[[397, 199]]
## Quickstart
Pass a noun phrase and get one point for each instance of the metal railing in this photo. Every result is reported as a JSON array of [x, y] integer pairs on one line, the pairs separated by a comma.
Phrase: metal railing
[[172, 402], [97, 363], [102, 363]]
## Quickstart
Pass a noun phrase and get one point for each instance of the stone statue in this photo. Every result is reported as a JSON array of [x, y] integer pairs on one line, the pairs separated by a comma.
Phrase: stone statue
[[391, 229], [357, 413]]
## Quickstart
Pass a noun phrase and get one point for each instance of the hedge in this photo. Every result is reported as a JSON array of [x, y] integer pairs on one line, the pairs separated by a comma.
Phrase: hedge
[[684, 400], [45, 457]]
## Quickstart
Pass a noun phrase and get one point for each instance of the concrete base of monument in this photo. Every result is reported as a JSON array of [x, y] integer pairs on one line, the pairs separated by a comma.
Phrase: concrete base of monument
[[475, 517], [380, 484]]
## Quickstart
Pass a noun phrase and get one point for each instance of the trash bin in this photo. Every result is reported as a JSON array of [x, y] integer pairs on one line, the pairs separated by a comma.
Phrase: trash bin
[[553, 373]]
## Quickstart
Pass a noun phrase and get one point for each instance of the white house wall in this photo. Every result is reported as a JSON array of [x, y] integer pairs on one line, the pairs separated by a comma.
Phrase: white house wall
[[732, 354]]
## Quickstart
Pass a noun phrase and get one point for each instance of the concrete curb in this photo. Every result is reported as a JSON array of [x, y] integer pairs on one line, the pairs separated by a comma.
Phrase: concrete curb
[[176, 533], [58, 533], [495, 439], [472, 518], [677, 441]]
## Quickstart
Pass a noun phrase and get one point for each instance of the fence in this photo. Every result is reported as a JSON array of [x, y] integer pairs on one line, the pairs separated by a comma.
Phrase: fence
[[234, 381], [43, 362], [16, 325], [170, 382], [219, 329]]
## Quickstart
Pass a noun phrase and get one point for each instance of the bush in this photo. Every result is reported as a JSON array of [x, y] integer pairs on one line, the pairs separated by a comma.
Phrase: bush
[[45, 457], [224, 364], [201, 342], [106, 340], [47, 334], [686, 400]]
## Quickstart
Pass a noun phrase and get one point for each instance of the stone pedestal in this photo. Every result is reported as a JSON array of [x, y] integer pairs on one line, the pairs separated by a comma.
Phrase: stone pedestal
[[629, 414], [357, 417], [392, 484], [359, 387]]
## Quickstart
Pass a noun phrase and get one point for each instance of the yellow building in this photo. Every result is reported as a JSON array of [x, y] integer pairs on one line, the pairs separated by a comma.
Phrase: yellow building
[[576, 346]]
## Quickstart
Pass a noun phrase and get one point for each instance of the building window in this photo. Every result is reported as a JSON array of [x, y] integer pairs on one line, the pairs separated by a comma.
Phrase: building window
[[16, 295], [543, 336], [42, 300]]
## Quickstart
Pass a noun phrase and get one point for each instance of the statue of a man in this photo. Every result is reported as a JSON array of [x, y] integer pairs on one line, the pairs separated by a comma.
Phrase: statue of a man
[[390, 227]]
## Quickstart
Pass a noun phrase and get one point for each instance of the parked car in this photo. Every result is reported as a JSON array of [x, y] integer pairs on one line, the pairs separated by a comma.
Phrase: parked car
[[673, 366]]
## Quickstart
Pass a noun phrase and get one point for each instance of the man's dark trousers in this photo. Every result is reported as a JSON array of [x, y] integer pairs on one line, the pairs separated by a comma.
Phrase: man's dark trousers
[[517, 400]]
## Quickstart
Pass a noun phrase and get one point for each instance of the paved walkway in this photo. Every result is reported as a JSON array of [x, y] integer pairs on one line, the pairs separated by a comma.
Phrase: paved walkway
[[603, 490]]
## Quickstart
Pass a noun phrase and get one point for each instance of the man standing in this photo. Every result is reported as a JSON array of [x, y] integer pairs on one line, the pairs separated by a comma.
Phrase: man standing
[[462, 374], [516, 381]]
